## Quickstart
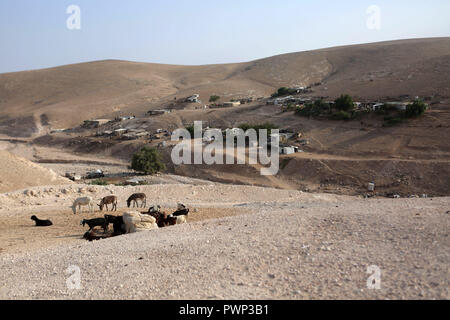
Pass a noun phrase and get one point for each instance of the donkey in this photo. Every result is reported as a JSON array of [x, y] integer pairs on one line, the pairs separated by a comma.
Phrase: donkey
[[86, 201], [135, 197], [108, 200]]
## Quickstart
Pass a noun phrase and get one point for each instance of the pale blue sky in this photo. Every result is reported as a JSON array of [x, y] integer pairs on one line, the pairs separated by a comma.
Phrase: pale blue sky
[[33, 33]]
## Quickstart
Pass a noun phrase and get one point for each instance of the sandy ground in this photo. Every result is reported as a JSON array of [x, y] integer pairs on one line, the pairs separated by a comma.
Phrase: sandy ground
[[17, 173], [278, 244], [19, 235], [241, 242]]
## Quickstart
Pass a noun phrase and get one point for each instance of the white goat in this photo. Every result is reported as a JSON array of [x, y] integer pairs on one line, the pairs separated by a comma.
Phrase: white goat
[[181, 220], [86, 201]]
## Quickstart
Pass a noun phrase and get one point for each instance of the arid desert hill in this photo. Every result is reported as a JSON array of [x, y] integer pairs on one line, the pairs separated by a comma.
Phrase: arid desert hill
[[18, 173], [65, 96]]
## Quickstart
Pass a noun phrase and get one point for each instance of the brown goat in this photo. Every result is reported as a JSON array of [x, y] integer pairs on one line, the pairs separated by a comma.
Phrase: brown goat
[[159, 216], [108, 200], [93, 234], [162, 219]]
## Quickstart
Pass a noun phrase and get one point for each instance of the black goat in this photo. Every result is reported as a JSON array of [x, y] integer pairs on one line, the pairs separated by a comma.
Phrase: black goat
[[41, 223], [98, 222], [182, 212], [153, 209], [117, 222]]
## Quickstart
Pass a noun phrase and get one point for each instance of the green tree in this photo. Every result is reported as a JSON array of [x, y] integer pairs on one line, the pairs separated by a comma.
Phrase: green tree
[[416, 109], [344, 103], [315, 109], [191, 131], [322, 106], [214, 98], [147, 161], [308, 110], [283, 91]]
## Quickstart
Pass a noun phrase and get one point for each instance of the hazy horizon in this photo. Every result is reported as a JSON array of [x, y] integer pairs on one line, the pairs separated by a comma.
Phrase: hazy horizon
[[35, 34]]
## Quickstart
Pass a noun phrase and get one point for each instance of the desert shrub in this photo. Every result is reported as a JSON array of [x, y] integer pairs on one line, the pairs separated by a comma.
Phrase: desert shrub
[[124, 184], [342, 115], [416, 109], [317, 108], [283, 91], [99, 182], [321, 105], [344, 103], [289, 107], [214, 98], [147, 161], [308, 110]]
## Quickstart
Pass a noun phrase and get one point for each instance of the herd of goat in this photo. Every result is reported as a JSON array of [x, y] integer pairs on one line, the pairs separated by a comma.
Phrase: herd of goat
[[162, 219]]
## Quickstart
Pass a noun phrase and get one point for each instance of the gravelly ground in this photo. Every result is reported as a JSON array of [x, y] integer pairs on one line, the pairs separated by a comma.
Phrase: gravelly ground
[[287, 247]]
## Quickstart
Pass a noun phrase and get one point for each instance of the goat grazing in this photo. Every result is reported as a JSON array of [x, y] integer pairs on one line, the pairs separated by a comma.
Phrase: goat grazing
[[98, 222], [108, 200], [86, 201], [135, 197], [41, 223]]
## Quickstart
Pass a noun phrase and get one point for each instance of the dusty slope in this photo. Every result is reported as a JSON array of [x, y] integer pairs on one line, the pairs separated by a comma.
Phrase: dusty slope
[[290, 246], [69, 94], [65, 96], [342, 157], [417, 67], [19, 173]]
